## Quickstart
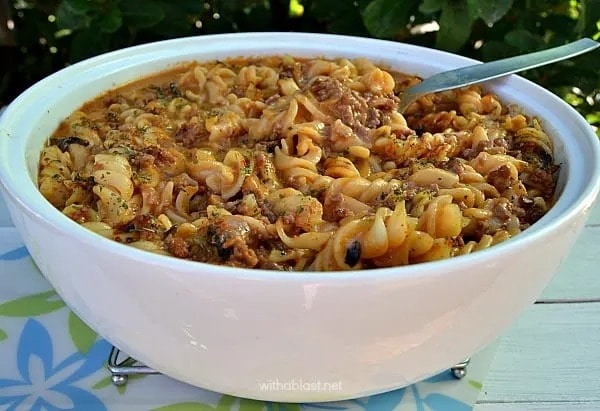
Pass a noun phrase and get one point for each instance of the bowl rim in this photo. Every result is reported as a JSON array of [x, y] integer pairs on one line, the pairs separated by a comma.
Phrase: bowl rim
[[44, 212]]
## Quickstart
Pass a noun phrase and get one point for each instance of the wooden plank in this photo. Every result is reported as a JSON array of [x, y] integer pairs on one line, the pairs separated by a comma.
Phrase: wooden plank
[[552, 354], [540, 406], [579, 275]]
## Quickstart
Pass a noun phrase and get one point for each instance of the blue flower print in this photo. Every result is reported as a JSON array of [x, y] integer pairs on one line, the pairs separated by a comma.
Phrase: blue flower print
[[16, 254], [44, 386]]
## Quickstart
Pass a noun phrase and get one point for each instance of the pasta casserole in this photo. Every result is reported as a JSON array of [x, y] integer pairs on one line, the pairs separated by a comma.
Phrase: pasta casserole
[[298, 164]]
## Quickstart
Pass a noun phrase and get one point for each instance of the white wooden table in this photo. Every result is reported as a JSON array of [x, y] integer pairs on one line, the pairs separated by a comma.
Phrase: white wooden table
[[550, 359]]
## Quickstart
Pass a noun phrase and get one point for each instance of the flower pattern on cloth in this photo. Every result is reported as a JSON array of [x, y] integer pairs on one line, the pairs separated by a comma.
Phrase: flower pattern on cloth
[[46, 384]]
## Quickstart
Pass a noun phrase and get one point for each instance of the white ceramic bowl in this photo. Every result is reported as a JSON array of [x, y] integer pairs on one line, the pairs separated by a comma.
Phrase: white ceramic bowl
[[231, 330]]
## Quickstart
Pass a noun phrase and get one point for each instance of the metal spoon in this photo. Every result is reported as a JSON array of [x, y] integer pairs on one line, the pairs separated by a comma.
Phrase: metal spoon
[[479, 73]]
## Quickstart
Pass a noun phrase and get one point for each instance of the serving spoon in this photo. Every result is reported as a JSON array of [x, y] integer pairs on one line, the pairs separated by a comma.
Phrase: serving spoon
[[481, 72]]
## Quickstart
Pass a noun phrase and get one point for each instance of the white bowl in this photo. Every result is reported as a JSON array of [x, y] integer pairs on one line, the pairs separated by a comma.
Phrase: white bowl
[[234, 330]]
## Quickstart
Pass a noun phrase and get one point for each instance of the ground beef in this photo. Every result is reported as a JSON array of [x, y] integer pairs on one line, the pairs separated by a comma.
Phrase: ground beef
[[374, 118], [469, 153], [144, 160], [503, 210], [481, 228], [146, 226], [351, 108], [177, 246], [293, 70], [500, 144], [326, 88], [232, 206], [191, 134], [532, 210], [286, 72], [163, 158], [500, 178], [540, 179], [454, 165], [266, 210], [361, 112], [342, 103], [386, 103], [234, 241]]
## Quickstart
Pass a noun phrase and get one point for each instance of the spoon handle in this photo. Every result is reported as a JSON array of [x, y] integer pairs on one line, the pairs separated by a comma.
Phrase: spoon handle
[[478, 73]]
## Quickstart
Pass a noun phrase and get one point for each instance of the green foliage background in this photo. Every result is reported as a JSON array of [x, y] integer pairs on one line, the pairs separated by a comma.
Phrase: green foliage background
[[38, 37]]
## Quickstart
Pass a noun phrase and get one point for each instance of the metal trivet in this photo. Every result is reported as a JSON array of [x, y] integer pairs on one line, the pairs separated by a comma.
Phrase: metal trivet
[[121, 370]]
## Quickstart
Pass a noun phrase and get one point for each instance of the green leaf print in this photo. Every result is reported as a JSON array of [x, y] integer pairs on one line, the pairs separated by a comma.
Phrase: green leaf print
[[251, 405], [83, 336], [475, 384], [225, 403], [104, 382], [32, 305], [3, 335]]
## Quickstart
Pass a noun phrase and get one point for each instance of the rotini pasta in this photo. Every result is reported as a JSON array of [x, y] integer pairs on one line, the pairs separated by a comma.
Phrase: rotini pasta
[[298, 164]]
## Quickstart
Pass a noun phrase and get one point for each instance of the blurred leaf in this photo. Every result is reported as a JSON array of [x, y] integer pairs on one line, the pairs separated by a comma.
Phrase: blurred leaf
[[330, 9], [87, 43], [386, 18], [455, 26], [175, 22], [523, 40], [197, 6], [593, 118], [495, 50], [431, 6], [352, 24], [142, 17], [560, 25], [489, 10], [3, 335], [587, 25], [334, 16], [110, 21], [73, 14]]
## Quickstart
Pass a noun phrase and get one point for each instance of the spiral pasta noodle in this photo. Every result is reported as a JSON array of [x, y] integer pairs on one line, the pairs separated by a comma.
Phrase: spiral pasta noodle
[[290, 163]]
